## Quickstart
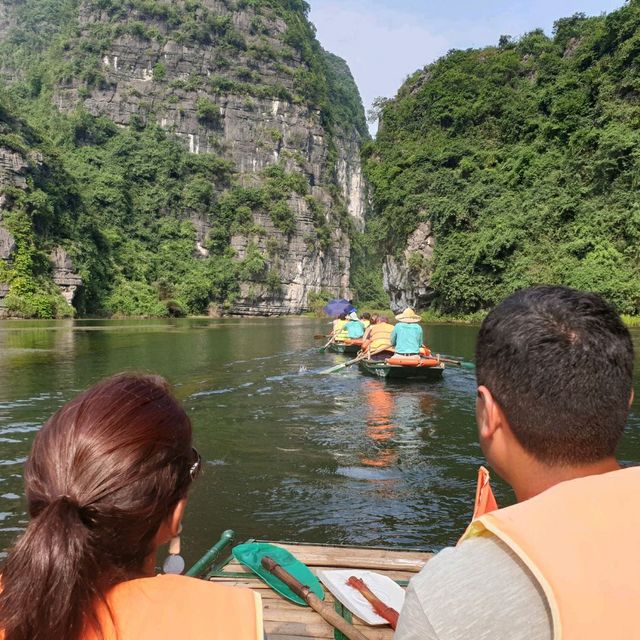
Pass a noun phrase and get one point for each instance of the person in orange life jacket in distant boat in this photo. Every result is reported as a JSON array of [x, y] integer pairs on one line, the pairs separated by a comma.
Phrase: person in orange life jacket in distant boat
[[378, 336], [407, 335], [354, 328], [555, 374]]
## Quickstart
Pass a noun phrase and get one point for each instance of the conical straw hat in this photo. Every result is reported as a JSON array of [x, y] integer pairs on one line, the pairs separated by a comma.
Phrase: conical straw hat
[[408, 315]]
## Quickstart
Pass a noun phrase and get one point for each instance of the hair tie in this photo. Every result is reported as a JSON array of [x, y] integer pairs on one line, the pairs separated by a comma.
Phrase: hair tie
[[69, 500]]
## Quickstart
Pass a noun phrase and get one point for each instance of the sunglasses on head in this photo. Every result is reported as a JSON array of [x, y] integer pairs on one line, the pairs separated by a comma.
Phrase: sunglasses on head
[[194, 469]]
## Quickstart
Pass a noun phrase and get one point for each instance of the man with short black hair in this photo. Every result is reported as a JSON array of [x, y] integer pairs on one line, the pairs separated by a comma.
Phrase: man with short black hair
[[554, 370]]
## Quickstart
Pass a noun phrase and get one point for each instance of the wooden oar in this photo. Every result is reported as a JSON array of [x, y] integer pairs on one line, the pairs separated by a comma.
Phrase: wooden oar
[[348, 363], [382, 609], [332, 339], [303, 591], [321, 336]]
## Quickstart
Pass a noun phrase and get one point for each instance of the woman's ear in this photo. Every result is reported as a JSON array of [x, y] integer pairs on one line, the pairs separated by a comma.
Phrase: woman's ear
[[170, 526], [175, 517]]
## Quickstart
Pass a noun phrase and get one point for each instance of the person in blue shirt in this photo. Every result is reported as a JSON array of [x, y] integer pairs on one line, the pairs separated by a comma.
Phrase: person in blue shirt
[[407, 335], [354, 328]]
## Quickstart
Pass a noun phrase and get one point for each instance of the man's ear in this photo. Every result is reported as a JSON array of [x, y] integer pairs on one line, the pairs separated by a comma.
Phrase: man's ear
[[488, 413]]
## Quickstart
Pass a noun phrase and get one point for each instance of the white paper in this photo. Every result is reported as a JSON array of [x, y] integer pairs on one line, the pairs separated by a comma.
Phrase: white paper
[[384, 588]]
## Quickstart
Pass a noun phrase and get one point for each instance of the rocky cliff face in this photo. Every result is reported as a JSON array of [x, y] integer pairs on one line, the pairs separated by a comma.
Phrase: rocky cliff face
[[407, 279], [234, 79]]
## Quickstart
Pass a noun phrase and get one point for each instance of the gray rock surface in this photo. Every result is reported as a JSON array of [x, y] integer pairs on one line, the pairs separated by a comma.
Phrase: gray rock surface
[[64, 274], [252, 132], [407, 279], [303, 266], [7, 244], [13, 169]]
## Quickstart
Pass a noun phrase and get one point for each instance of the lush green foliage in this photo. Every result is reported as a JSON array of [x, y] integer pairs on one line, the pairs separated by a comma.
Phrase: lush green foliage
[[526, 158], [343, 95], [122, 207], [366, 272], [48, 207], [126, 203]]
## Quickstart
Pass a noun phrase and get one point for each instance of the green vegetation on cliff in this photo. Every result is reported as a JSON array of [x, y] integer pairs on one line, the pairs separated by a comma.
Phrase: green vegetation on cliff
[[526, 159], [120, 202], [148, 225]]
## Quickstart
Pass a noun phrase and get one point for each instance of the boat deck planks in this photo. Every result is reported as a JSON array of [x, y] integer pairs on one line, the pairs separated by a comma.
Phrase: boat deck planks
[[284, 620]]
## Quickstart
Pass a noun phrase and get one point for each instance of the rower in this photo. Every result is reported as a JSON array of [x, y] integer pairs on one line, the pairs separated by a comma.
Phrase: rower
[[407, 335]]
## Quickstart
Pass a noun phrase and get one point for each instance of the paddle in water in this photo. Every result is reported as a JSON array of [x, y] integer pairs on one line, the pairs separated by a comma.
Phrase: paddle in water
[[463, 364], [362, 356]]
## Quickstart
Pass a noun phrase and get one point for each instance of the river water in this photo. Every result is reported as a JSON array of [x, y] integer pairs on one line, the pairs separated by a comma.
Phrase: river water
[[288, 454]]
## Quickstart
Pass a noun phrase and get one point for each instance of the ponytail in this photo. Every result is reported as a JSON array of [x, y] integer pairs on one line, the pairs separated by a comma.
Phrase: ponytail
[[47, 570], [103, 474]]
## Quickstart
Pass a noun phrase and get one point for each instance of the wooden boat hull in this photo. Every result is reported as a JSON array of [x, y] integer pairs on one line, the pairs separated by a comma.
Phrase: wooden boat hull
[[380, 369], [342, 347], [284, 620]]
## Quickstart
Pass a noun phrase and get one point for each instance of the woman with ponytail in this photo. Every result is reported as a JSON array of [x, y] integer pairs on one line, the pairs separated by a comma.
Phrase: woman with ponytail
[[107, 483]]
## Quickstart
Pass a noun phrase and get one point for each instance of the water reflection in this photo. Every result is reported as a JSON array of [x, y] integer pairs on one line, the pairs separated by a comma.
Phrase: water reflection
[[380, 427]]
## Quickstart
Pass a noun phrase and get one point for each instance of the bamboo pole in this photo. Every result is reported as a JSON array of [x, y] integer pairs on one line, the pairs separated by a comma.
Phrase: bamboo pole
[[325, 611]]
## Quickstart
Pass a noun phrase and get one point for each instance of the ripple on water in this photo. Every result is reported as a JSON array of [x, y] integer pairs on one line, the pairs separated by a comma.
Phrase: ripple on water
[[366, 473], [17, 461], [19, 427]]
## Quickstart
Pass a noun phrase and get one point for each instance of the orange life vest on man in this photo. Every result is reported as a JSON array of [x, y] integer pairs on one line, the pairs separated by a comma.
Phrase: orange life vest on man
[[169, 607], [580, 540]]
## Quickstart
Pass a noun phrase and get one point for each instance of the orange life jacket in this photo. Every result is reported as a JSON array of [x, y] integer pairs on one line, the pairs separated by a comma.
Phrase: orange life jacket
[[580, 540], [168, 607], [380, 335]]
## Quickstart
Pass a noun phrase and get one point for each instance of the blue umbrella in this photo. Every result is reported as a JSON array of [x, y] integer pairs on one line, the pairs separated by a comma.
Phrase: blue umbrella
[[335, 308]]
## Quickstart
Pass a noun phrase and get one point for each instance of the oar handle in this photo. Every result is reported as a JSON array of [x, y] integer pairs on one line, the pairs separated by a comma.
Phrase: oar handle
[[208, 558], [334, 618], [312, 600], [382, 609], [301, 590]]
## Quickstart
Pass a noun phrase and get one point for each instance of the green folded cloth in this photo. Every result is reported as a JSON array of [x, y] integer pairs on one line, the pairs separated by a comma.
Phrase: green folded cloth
[[251, 554]]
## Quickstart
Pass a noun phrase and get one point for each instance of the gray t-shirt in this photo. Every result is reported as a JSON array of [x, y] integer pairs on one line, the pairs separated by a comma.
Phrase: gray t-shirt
[[479, 590]]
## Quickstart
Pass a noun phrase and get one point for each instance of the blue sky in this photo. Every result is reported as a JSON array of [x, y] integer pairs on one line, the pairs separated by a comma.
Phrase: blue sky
[[384, 41]]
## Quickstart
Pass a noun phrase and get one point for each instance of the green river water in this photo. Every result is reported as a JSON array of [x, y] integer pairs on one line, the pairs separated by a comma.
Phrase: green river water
[[289, 454]]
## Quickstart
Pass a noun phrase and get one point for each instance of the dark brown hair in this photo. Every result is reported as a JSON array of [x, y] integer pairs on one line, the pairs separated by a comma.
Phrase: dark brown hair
[[560, 364], [103, 474]]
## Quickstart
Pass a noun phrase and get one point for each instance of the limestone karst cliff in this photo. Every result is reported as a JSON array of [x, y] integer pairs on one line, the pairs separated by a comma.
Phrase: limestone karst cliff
[[241, 81]]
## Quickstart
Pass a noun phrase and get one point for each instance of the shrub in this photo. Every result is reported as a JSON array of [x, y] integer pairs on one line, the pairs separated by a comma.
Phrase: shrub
[[208, 112]]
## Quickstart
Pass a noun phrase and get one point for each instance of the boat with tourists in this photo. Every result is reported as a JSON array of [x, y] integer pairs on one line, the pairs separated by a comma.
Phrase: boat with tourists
[[286, 620], [403, 367], [347, 346]]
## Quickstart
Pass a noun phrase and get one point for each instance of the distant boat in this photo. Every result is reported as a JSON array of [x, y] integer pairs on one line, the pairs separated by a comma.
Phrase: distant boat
[[345, 346], [423, 369]]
